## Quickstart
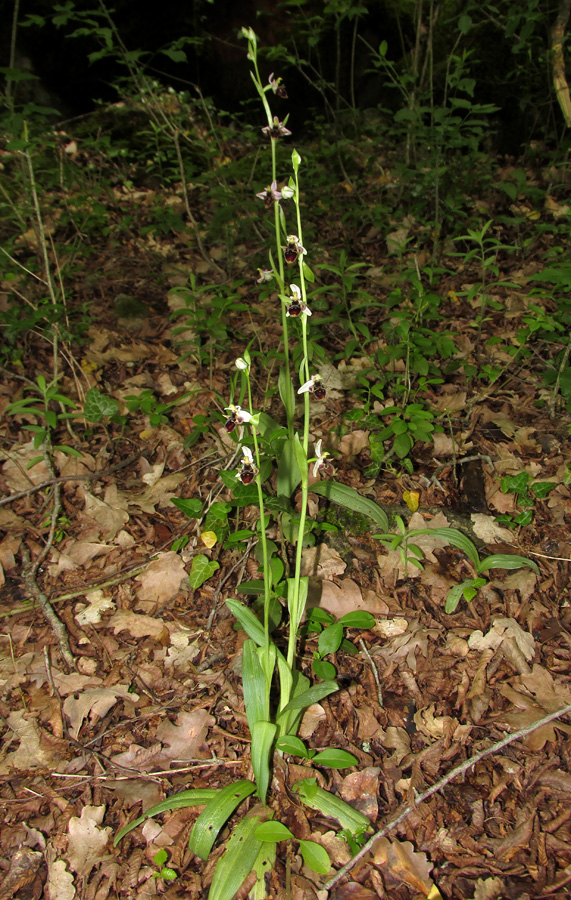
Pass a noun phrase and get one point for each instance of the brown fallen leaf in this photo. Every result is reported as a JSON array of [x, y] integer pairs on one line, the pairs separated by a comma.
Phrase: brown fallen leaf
[[360, 789], [322, 561], [161, 580], [185, 738], [139, 625], [95, 703], [404, 864], [87, 843]]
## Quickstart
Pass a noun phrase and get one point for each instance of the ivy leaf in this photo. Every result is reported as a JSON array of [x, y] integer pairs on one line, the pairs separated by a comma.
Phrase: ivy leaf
[[201, 570]]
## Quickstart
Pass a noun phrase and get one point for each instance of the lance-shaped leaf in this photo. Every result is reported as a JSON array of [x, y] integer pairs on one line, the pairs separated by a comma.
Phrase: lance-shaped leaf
[[238, 860], [263, 736], [256, 697], [251, 625], [330, 805], [217, 812], [348, 497], [506, 561], [312, 695], [182, 800]]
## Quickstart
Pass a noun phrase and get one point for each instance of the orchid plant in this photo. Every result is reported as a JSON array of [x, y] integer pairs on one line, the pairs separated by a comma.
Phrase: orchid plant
[[274, 720]]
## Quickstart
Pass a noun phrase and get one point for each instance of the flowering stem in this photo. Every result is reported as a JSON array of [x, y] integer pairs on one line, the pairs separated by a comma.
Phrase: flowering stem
[[263, 539]]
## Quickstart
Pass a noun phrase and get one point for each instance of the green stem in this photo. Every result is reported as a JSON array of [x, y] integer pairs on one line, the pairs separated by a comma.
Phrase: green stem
[[265, 562]]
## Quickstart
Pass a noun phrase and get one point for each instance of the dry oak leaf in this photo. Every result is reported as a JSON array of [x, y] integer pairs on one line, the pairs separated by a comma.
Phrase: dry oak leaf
[[161, 579], [504, 629], [185, 739], [98, 603], [95, 702], [404, 864], [158, 494], [111, 512], [547, 697], [360, 790], [404, 646], [341, 598], [37, 750], [139, 625], [18, 478], [59, 884], [322, 561], [87, 841]]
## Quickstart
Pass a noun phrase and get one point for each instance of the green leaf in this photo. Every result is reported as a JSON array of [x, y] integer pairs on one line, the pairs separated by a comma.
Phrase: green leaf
[[182, 800], [191, 508], [348, 497], [359, 619], [273, 832], [289, 475], [335, 759], [315, 857], [98, 406], [506, 561], [455, 594], [256, 586], [70, 451], [287, 394], [218, 811], [291, 744], [249, 622], [330, 639], [254, 685], [238, 860], [457, 539], [312, 695], [201, 570], [324, 669], [329, 805], [402, 445], [263, 736]]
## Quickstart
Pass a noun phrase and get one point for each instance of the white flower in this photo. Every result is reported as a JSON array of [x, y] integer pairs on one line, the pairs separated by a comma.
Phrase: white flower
[[295, 292], [288, 192], [242, 364], [248, 458], [309, 385], [320, 458]]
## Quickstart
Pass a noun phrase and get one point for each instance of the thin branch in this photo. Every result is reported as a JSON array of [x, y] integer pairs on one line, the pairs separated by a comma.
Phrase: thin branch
[[455, 773]]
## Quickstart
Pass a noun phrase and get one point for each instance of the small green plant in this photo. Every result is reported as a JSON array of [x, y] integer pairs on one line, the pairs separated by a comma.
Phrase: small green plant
[[45, 406], [411, 553], [164, 872], [332, 637], [526, 492], [147, 403]]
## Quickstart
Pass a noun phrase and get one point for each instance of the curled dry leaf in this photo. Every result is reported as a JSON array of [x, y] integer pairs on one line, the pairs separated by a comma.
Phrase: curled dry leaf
[[404, 863]]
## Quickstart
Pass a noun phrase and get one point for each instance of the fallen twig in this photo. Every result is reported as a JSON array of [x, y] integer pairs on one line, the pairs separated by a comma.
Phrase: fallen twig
[[421, 798]]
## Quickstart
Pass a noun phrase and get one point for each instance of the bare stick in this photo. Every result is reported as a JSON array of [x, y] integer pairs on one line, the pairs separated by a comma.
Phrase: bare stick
[[459, 770]]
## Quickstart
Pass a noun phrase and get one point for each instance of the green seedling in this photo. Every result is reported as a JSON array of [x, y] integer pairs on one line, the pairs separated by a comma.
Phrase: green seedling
[[332, 636], [45, 406], [164, 872], [470, 586], [526, 493]]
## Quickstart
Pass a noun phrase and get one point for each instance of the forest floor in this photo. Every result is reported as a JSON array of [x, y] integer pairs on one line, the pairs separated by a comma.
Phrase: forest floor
[[154, 703]]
